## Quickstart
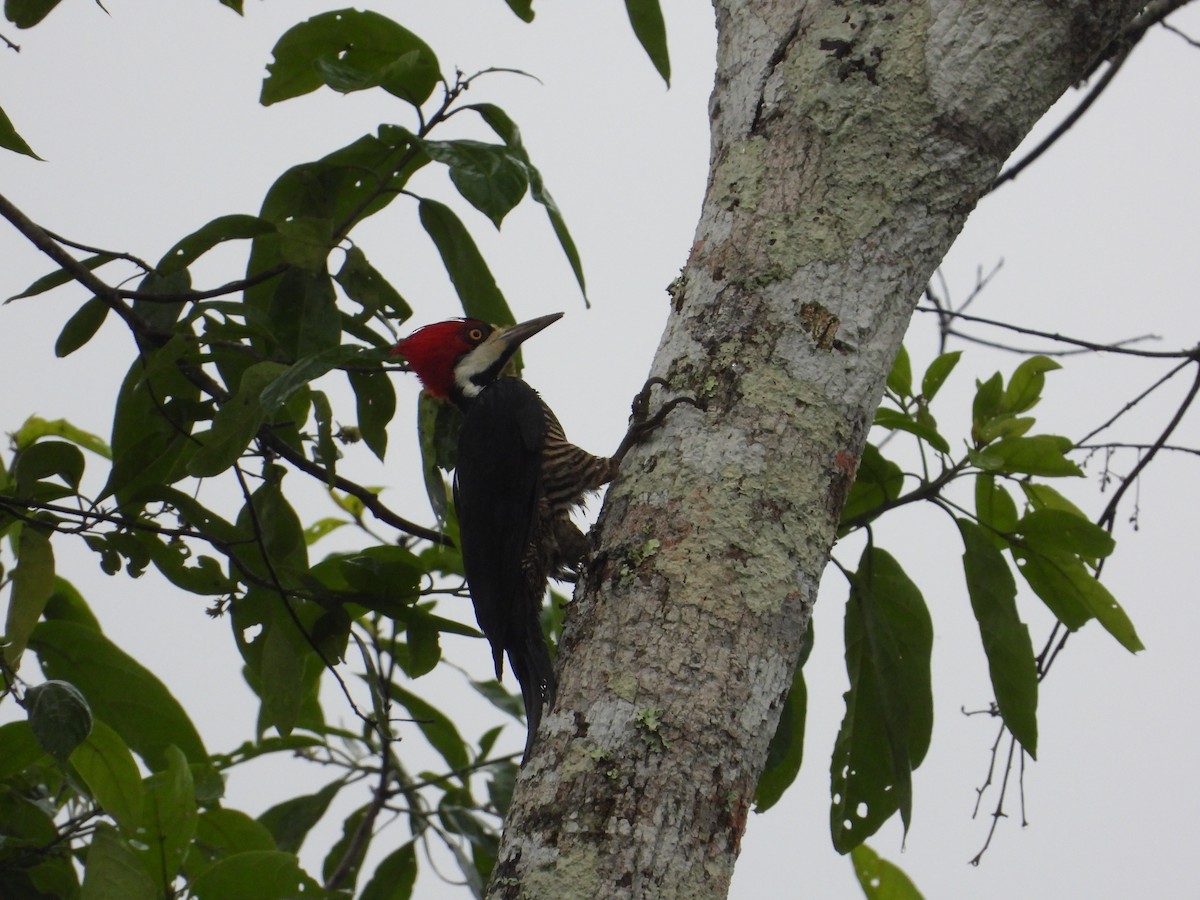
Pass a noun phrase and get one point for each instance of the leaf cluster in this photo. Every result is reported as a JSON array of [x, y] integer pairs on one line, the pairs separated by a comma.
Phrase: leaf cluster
[[1047, 542], [106, 787]]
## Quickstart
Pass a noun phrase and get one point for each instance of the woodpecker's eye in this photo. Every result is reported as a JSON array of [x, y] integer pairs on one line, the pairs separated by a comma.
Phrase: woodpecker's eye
[[475, 335]]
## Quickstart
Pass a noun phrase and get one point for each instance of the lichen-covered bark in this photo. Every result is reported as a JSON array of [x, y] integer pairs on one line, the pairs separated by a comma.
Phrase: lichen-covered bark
[[849, 143]]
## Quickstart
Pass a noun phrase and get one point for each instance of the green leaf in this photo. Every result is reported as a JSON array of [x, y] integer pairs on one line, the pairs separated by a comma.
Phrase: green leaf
[[160, 314], [1042, 496], [218, 231], [61, 277], [106, 766], [236, 423], [1041, 454], [880, 879], [385, 571], [156, 410], [9, 139], [878, 482], [523, 9], [937, 373], [222, 833], [81, 327], [1051, 580], [32, 584], [488, 176], [66, 604], [278, 533], [170, 816], [304, 315], [1003, 425], [995, 509], [1054, 531], [346, 851], [364, 284], [424, 648], [989, 396], [113, 870], [786, 750], [473, 281], [436, 726], [171, 558], [322, 527], [349, 50], [254, 875], [1025, 387], [45, 459], [1006, 642], [284, 687], [647, 20], [326, 452], [120, 690], [437, 428], [289, 822], [1069, 589], [899, 380], [896, 420], [19, 749], [375, 404], [499, 121], [59, 716], [301, 372], [889, 707], [305, 242], [35, 428], [27, 13], [396, 875]]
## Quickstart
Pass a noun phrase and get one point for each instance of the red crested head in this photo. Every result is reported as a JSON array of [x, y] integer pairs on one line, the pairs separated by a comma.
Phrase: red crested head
[[456, 360], [434, 350]]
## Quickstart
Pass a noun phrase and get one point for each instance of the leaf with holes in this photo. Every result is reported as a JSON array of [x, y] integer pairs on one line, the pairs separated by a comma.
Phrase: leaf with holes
[[880, 879], [889, 707], [350, 50]]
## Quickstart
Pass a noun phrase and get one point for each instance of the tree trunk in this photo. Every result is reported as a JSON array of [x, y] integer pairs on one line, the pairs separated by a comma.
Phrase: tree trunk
[[849, 143]]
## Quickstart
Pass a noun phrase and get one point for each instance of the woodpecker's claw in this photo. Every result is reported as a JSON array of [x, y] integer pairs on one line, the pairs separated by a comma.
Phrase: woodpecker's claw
[[641, 422]]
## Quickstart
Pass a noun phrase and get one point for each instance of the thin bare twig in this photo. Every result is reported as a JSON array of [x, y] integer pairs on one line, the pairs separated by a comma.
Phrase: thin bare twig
[[1133, 403], [1109, 515], [1193, 353]]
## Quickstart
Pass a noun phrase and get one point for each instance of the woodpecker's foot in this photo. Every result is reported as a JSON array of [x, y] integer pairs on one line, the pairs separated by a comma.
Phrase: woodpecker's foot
[[641, 422]]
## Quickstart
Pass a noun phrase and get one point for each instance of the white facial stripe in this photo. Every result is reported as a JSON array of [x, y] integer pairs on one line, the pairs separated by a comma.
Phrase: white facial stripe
[[478, 361]]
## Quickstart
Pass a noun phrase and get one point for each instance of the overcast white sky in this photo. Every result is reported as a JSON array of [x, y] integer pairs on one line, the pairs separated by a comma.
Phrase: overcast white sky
[[148, 121]]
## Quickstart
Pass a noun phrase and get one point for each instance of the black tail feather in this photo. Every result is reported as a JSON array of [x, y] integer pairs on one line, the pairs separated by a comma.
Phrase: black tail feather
[[530, 661]]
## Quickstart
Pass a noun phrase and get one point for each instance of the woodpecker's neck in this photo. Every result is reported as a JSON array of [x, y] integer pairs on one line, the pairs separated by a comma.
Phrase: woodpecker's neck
[[475, 370]]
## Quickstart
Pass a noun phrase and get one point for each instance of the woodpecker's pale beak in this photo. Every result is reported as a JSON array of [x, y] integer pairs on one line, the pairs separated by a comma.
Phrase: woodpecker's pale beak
[[487, 362], [515, 335]]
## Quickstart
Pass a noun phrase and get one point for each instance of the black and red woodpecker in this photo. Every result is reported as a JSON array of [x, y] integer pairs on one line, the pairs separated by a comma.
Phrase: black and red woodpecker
[[516, 483]]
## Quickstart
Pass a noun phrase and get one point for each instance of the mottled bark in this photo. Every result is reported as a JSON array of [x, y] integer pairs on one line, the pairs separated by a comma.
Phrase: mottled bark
[[849, 143]]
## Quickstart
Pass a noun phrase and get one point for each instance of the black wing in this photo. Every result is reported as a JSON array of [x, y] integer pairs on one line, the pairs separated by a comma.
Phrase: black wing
[[498, 493]]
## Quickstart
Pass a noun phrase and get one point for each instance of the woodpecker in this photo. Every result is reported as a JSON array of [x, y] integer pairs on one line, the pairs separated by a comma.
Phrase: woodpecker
[[516, 482]]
